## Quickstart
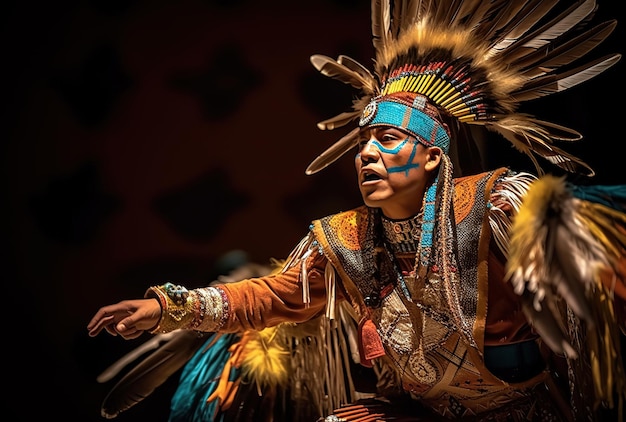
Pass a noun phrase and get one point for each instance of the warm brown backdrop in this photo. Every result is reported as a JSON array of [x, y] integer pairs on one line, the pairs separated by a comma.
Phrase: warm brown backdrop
[[143, 140]]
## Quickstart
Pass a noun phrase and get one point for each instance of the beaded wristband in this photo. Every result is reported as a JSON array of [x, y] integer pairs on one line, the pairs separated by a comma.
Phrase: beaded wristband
[[203, 309], [175, 312], [217, 309]]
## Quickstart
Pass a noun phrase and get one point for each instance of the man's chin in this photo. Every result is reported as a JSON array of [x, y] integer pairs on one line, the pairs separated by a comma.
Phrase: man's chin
[[375, 200]]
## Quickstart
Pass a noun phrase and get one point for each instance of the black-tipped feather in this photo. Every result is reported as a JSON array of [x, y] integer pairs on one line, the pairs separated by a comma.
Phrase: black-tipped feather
[[330, 67], [548, 58], [334, 152], [152, 372], [550, 84], [529, 15], [549, 31]]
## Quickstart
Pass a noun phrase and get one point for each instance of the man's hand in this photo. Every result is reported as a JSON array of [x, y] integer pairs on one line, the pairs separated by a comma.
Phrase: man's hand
[[128, 318]]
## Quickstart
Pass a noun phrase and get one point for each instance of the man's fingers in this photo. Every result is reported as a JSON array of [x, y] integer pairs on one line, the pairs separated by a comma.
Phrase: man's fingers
[[127, 328], [110, 329], [127, 325], [96, 320], [97, 323]]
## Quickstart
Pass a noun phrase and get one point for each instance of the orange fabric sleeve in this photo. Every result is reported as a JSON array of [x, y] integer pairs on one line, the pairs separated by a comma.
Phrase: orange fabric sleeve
[[257, 303]]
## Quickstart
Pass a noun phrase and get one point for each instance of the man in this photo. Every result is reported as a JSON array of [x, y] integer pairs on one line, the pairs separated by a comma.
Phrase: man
[[480, 297]]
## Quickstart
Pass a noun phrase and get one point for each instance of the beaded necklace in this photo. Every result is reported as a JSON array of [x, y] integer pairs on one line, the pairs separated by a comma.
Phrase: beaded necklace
[[402, 236]]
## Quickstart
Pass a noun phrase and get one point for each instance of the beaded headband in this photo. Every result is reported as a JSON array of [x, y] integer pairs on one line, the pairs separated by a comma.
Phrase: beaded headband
[[416, 117]]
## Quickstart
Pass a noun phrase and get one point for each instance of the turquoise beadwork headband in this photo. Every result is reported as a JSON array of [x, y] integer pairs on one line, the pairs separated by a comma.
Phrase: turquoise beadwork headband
[[412, 117]]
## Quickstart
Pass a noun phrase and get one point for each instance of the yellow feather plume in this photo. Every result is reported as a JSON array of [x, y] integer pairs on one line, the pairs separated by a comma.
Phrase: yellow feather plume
[[565, 250], [266, 359]]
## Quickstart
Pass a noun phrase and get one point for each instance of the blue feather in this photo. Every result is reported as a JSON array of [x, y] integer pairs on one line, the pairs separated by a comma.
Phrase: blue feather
[[199, 379], [613, 196]]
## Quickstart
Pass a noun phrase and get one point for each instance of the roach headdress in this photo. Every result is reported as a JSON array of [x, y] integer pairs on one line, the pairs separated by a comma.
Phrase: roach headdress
[[472, 62]]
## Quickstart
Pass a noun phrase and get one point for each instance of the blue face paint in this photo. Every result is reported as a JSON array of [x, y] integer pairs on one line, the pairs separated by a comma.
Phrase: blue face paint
[[409, 165], [394, 151]]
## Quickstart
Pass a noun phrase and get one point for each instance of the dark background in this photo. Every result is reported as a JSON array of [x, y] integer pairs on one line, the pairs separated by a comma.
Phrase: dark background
[[144, 140]]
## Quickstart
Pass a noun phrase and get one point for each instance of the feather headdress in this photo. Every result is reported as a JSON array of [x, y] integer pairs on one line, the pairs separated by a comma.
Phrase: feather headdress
[[476, 61]]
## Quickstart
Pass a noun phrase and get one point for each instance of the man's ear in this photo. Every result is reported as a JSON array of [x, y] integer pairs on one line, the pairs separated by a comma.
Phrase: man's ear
[[433, 158]]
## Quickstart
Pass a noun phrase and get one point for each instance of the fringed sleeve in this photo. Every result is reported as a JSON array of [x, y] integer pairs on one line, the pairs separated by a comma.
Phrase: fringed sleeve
[[296, 293]]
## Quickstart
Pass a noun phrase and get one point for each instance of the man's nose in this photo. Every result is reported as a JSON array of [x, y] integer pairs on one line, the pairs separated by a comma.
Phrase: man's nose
[[370, 151]]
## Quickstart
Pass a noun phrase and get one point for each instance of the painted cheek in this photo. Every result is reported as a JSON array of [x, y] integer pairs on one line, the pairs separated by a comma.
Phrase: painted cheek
[[409, 165], [393, 151]]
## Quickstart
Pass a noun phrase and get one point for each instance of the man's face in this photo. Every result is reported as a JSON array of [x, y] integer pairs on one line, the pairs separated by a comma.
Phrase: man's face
[[392, 171]]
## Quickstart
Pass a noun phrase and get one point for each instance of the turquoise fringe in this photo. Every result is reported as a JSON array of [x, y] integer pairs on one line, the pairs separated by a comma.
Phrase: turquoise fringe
[[199, 380]]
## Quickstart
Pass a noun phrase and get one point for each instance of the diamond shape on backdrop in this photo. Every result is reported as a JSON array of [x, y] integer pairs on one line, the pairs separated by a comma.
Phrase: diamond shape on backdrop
[[198, 210], [71, 209], [92, 90], [223, 85]]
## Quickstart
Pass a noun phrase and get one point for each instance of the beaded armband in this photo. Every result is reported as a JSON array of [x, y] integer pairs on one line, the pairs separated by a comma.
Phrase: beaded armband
[[204, 309]]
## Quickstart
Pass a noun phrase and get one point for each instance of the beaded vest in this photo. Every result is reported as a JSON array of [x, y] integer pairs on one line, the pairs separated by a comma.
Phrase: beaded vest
[[432, 340]]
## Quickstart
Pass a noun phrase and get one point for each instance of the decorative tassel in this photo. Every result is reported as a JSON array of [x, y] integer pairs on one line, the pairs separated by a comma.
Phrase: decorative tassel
[[370, 344]]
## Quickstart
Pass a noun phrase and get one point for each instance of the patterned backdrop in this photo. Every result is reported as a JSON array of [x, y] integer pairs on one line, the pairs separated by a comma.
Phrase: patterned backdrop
[[148, 141]]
